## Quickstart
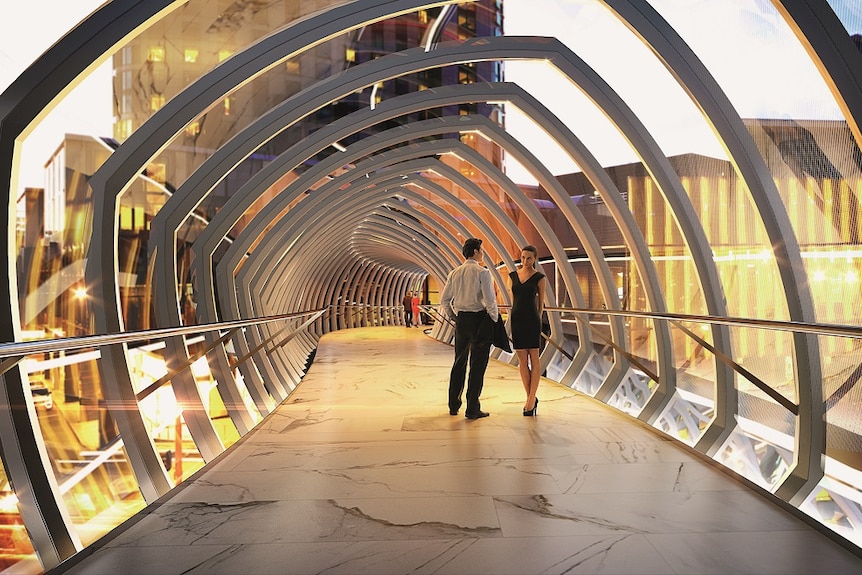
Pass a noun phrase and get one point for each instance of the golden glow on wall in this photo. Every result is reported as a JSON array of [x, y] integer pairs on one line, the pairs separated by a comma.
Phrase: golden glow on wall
[[156, 102], [193, 129], [156, 54]]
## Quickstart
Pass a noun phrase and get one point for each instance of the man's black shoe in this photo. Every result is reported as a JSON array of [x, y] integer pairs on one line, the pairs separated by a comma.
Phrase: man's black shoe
[[453, 412], [477, 415]]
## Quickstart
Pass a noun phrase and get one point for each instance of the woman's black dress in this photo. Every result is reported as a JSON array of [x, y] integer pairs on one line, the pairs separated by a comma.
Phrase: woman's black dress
[[524, 320]]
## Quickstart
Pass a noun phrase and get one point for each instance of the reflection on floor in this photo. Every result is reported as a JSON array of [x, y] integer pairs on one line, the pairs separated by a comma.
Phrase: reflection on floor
[[363, 470]]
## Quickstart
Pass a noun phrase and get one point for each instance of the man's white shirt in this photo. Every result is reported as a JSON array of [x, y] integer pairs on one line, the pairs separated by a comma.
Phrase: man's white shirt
[[469, 287]]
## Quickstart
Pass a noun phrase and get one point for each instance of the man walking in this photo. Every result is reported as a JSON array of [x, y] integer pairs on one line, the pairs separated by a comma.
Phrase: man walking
[[468, 297], [407, 302]]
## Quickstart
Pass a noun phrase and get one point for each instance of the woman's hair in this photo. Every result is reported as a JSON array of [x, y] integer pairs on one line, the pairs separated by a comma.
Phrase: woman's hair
[[535, 252]]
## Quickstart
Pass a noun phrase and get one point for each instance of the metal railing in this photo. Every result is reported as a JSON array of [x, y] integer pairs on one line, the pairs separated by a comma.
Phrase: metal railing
[[82, 454], [809, 449]]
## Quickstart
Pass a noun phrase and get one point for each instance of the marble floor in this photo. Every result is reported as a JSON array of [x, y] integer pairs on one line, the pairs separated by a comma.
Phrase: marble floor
[[363, 470]]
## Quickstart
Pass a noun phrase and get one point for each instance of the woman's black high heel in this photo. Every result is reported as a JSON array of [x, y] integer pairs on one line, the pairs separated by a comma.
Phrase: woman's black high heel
[[532, 412]]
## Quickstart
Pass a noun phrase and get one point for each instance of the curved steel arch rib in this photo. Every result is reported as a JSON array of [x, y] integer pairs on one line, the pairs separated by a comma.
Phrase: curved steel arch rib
[[22, 106], [626, 121], [749, 164], [323, 228], [278, 272], [237, 299], [448, 95], [117, 173], [260, 224], [833, 52]]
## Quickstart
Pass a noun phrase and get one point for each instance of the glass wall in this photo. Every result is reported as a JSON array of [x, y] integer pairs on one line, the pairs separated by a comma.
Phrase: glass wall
[[777, 241]]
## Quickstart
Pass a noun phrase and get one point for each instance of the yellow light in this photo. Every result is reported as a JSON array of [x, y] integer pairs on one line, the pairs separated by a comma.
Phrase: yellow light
[[157, 54], [819, 276], [80, 293], [851, 277]]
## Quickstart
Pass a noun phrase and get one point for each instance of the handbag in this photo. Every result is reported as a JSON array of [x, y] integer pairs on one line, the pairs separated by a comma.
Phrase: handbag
[[501, 338]]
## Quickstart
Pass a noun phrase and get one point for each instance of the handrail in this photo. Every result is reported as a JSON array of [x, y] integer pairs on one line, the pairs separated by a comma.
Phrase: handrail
[[677, 319], [829, 329], [151, 388], [287, 338], [833, 330], [761, 385], [436, 312], [20, 349]]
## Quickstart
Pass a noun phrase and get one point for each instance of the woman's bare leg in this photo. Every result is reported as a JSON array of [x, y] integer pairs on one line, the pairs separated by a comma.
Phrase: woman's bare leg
[[524, 370], [535, 372]]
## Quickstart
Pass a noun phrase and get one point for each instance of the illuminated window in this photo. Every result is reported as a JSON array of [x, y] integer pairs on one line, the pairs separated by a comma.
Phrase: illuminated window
[[157, 54], [157, 172], [193, 129], [138, 218], [156, 102], [423, 16], [467, 19], [466, 74], [126, 217], [350, 55], [292, 67], [224, 55], [227, 106], [122, 129], [191, 56]]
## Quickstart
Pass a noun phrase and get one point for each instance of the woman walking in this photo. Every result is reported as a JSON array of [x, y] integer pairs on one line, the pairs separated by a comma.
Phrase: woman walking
[[527, 285], [417, 315]]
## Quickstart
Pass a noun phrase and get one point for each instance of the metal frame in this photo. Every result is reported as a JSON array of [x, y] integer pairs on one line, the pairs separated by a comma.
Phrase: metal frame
[[69, 61]]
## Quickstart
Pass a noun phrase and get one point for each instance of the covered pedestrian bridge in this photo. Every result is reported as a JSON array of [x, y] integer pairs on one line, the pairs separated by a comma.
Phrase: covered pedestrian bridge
[[701, 309]]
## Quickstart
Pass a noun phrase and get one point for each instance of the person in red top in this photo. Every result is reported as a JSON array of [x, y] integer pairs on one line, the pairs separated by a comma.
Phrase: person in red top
[[417, 317]]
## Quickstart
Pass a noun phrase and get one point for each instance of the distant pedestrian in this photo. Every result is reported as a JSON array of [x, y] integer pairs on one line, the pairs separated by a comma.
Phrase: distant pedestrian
[[407, 302], [417, 316]]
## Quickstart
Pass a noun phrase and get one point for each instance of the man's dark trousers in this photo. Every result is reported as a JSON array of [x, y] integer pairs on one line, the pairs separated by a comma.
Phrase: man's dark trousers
[[473, 334]]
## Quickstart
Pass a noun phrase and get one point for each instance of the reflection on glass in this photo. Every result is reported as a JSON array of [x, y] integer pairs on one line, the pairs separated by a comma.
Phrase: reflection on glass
[[212, 400], [14, 542], [86, 453]]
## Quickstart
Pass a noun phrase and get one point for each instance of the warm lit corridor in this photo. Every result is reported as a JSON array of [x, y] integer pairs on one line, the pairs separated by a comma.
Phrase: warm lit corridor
[[362, 470]]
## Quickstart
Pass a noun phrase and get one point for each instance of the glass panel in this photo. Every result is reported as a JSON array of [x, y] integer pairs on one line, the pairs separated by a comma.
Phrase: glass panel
[[850, 14], [163, 417], [15, 544], [212, 400], [86, 453], [837, 502]]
